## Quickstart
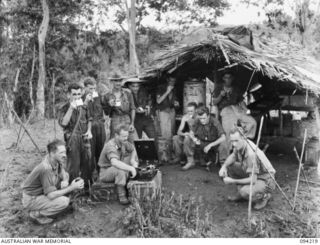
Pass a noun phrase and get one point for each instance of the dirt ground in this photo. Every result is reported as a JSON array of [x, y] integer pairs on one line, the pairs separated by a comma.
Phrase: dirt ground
[[100, 220]]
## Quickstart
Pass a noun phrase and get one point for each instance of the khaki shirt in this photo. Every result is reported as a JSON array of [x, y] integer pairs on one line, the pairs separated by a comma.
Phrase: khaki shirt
[[209, 132], [44, 179], [247, 158], [232, 97], [83, 123], [126, 100], [113, 150]]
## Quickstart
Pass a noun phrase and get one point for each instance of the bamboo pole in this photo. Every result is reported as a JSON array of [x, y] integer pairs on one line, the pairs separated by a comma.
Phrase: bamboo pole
[[304, 174], [252, 174], [299, 170], [26, 130]]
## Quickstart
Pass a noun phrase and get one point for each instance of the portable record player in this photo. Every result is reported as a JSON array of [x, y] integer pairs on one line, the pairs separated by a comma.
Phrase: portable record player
[[146, 151]]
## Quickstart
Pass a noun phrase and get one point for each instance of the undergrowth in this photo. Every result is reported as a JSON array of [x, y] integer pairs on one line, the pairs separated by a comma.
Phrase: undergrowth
[[166, 215]]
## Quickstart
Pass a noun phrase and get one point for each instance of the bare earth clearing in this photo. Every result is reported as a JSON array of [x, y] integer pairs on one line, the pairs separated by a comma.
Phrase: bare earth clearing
[[100, 220]]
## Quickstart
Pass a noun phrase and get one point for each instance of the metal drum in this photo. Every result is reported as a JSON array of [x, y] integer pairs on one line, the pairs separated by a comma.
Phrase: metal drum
[[194, 91], [164, 150], [312, 152]]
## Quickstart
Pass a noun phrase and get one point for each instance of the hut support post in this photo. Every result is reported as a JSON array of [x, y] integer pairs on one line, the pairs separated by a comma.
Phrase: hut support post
[[281, 123], [316, 111]]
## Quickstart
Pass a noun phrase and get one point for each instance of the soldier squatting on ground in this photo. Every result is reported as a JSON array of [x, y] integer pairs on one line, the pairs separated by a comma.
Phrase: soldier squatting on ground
[[45, 189]]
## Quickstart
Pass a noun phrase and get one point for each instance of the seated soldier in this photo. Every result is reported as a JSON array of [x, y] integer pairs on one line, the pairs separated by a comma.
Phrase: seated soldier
[[187, 121], [230, 103], [238, 167], [44, 189], [206, 136], [118, 159]]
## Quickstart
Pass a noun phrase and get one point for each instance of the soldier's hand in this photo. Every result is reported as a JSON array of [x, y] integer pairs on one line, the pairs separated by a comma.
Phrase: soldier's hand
[[223, 172], [88, 135], [73, 104], [207, 149], [170, 88], [228, 180], [133, 172], [64, 184], [223, 93], [77, 184], [88, 98], [112, 102], [131, 127]]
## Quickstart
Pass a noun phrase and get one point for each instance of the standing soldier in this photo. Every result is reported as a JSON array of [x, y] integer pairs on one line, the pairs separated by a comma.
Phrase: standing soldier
[[166, 103], [75, 119], [143, 121], [94, 103], [119, 105]]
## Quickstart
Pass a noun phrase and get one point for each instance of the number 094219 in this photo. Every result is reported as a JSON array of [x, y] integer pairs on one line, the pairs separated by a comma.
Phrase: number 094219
[[309, 241]]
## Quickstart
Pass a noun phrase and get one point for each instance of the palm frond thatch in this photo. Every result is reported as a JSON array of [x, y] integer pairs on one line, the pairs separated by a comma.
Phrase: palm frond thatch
[[278, 61]]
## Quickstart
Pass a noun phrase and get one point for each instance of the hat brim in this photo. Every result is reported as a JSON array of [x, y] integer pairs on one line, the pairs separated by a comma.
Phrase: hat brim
[[115, 78], [134, 80]]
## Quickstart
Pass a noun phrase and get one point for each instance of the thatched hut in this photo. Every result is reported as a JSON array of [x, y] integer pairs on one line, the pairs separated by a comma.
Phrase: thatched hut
[[289, 79]]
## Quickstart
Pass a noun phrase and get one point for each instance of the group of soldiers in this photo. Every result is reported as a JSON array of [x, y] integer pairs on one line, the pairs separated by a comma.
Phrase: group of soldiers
[[90, 156]]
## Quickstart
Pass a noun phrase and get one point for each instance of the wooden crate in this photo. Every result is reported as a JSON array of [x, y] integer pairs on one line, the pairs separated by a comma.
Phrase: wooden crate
[[104, 192], [141, 188]]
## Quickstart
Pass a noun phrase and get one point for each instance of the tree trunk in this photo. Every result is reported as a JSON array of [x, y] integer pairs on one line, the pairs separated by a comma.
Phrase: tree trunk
[[131, 16], [40, 103]]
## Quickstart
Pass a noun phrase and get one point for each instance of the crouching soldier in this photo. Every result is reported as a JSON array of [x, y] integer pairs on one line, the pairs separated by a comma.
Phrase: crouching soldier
[[45, 188], [187, 121], [118, 161], [239, 167], [206, 136], [75, 119]]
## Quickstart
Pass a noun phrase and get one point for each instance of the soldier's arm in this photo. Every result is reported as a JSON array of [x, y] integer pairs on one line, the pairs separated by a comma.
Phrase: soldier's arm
[[216, 97], [181, 127], [132, 108], [66, 118], [220, 140]]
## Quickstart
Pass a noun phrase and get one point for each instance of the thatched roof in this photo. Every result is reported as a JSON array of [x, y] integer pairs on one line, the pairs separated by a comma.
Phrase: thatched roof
[[276, 60]]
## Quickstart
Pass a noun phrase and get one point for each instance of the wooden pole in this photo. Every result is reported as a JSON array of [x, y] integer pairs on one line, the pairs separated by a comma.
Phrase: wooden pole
[[26, 130], [316, 112], [252, 174], [302, 169], [54, 105], [299, 170]]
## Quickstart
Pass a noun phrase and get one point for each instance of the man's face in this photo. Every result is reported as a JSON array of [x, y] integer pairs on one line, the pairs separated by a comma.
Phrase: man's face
[[228, 79], [191, 111], [117, 84], [60, 155], [134, 87], [75, 94], [204, 118], [123, 136], [90, 88], [237, 141]]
